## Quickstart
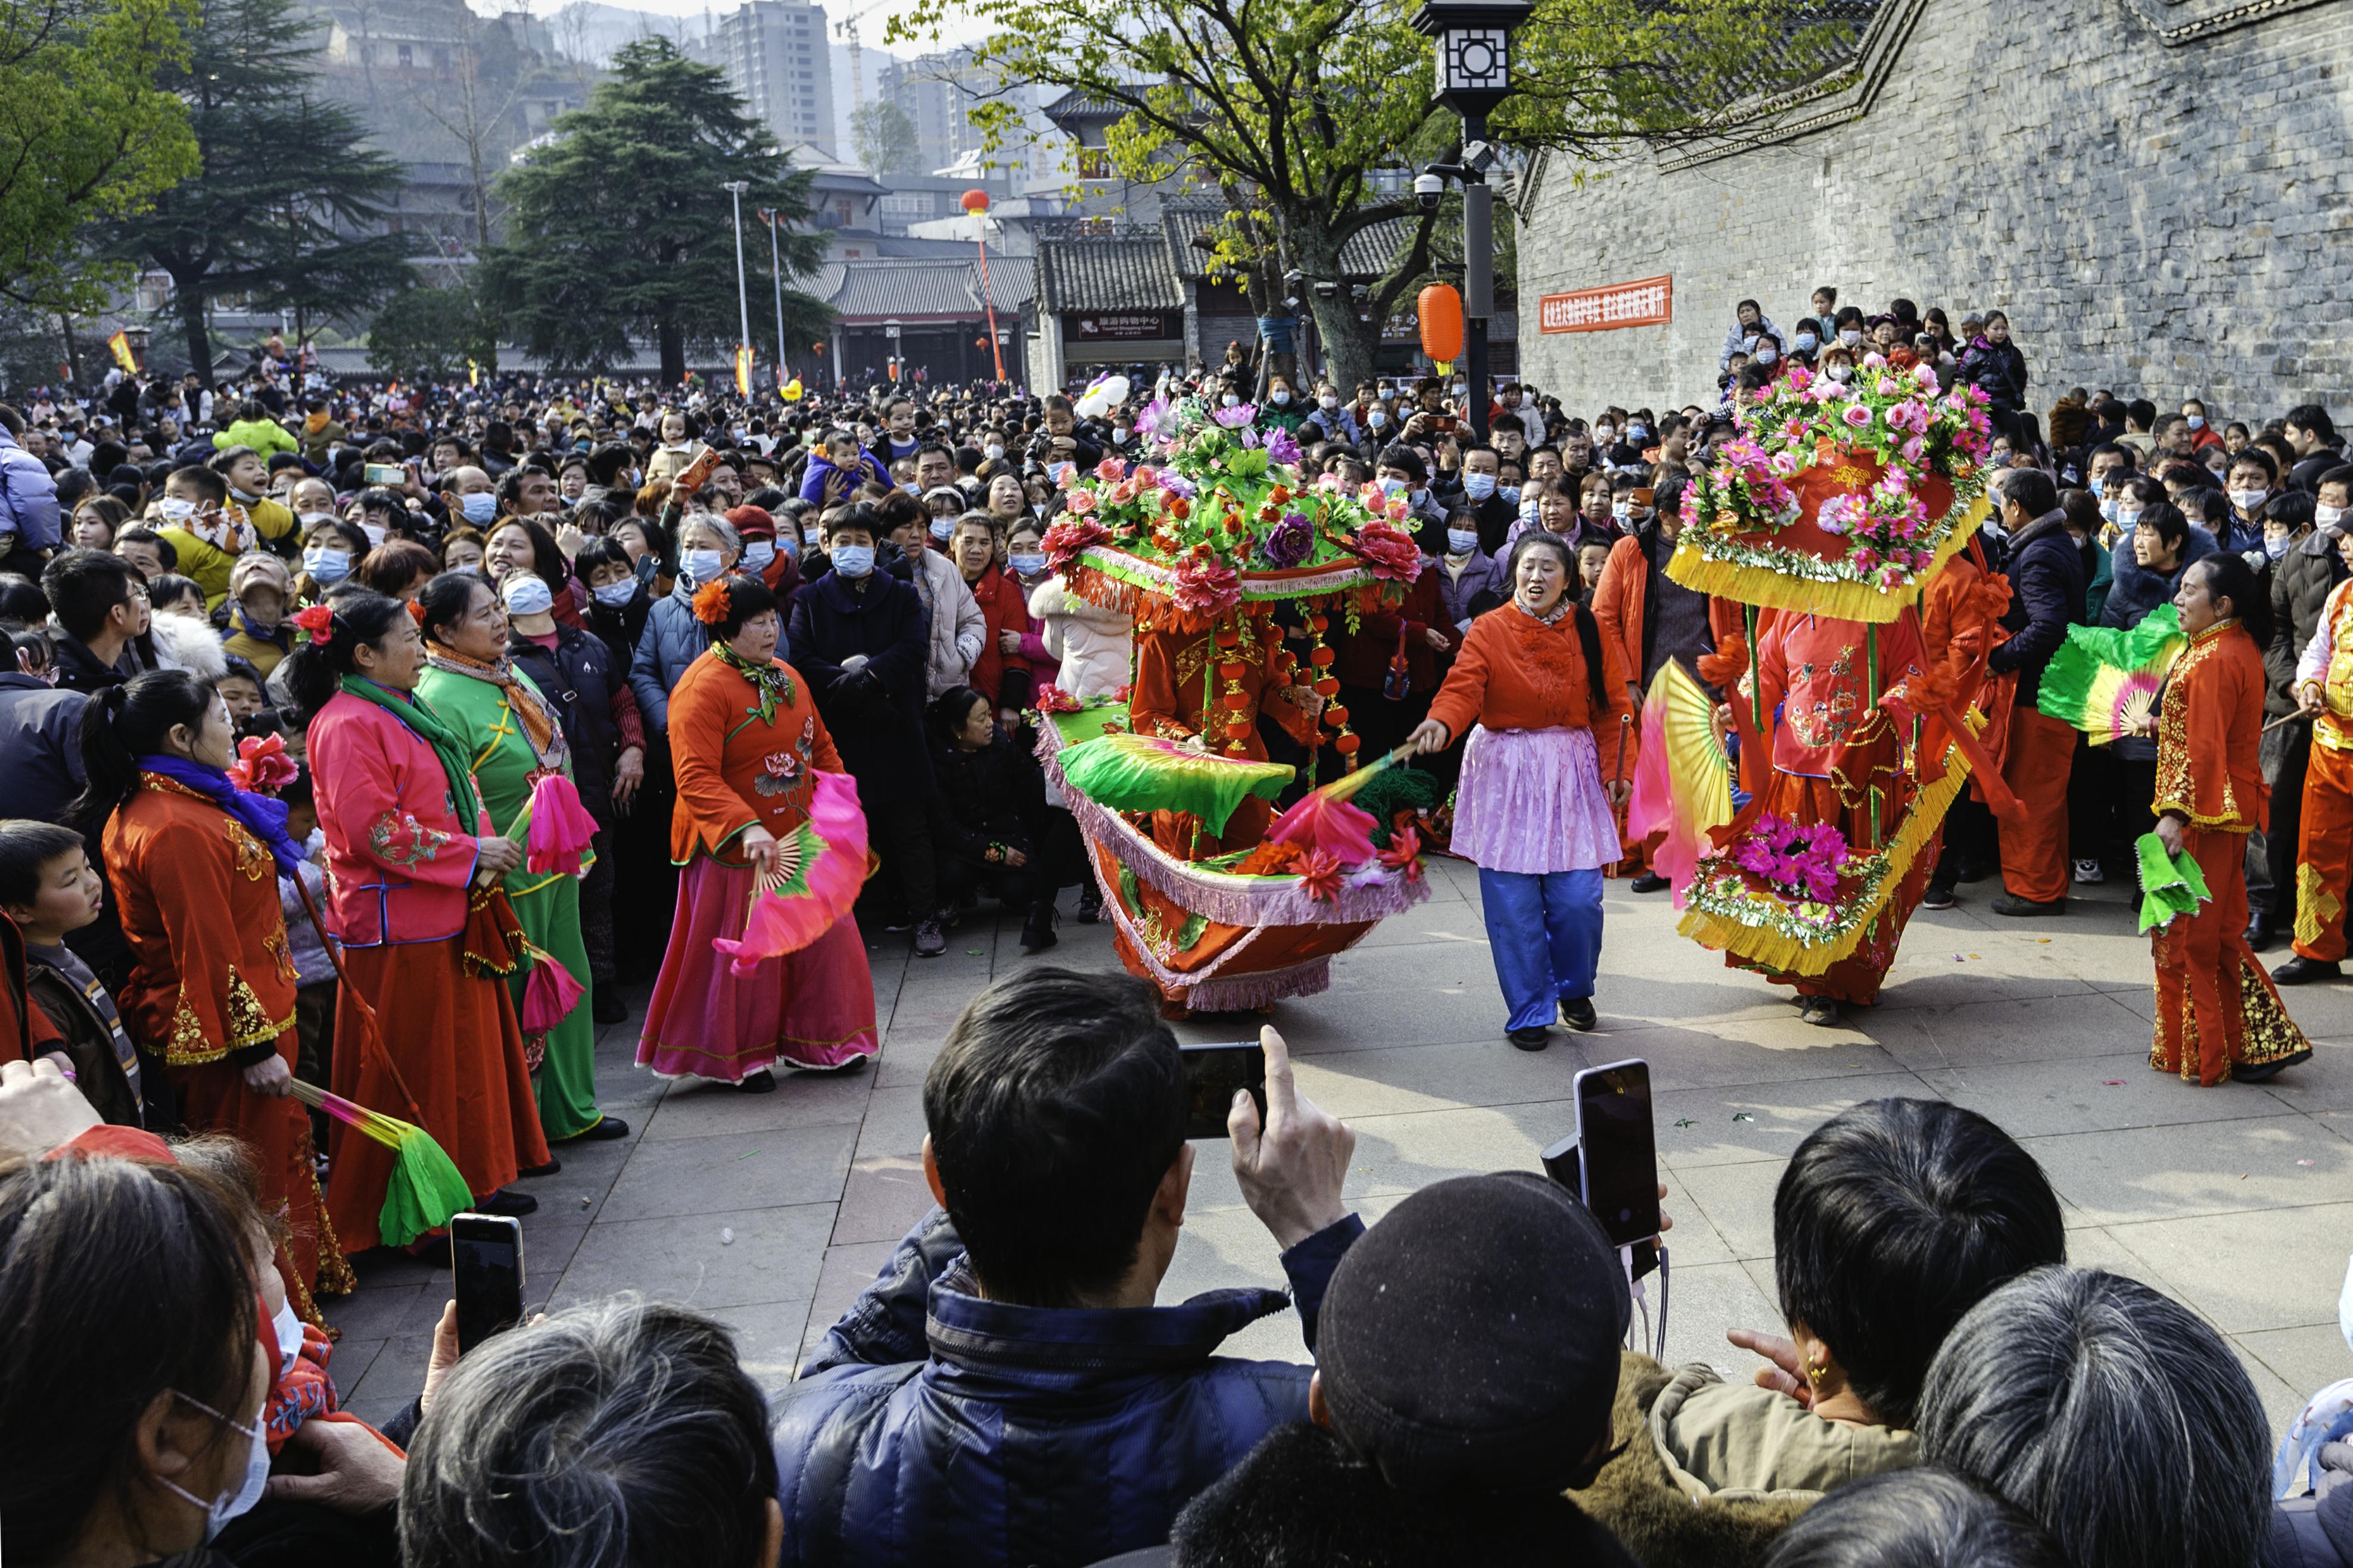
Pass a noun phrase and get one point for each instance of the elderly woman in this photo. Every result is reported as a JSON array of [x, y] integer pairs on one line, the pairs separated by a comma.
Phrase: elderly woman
[[514, 735], [748, 742], [1531, 682]]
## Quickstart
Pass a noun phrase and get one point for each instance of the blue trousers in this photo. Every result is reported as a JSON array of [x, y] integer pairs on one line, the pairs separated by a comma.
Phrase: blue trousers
[[1545, 932]]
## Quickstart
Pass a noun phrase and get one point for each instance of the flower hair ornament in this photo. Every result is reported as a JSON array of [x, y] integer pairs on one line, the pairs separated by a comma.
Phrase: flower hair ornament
[[319, 621], [711, 606]]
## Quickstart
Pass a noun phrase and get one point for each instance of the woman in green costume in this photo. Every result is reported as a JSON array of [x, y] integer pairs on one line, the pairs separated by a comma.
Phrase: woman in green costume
[[509, 732]]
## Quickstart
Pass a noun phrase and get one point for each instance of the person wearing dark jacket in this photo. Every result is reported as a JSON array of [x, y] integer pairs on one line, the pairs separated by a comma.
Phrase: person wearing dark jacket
[[1007, 1393], [1993, 366], [98, 614], [2148, 566], [2301, 580], [39, 726], [2047, 581], [1467, 1360], [992, 816], [859, 638]]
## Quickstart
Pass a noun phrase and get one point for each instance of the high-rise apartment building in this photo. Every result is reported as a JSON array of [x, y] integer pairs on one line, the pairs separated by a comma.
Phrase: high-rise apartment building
[[774, 52], [937, 92]]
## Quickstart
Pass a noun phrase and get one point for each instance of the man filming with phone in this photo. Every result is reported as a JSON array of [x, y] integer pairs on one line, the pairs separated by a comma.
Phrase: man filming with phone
[[1007, 1391]]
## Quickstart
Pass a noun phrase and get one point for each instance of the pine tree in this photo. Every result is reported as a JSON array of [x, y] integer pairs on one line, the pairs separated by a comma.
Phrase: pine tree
[[620, 229], [290, 206]]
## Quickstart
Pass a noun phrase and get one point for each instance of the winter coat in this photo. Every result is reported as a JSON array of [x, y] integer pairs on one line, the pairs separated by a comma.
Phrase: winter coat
[[28, 499], [578, 679], [869, 470], [875, 713], [1096, 646], [933, 1426], [1738, 335], [1304, 1496], [672, 639], [264, 436], [957, 628], [2301, 582], [993, 795], [1998, 370], [184, 642], [1709, 1473], [2046, 582], [1003, 608], [2137, 590], [40, 726], [1482, 585]]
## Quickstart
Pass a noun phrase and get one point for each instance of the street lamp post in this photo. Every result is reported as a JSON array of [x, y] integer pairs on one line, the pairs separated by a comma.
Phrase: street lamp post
[[1474, 74], [735, 189], [777, 271]]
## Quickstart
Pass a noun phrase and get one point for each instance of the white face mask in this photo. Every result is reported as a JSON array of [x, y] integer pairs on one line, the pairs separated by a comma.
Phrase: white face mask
[[1229, 400], [2328, 516], [1462, 541], [528, 597], [1767, 354], [993, 451], [311, 520], [1327, 401], [1605, 432], [229, 1505], [1376, 419], [1841, 373], [1852, 338], [2247, 501], [759, 554], [288, 1329]]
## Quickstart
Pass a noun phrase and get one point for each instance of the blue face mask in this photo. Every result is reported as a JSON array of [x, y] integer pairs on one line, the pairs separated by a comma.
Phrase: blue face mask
[[853, 560], [327, 566], [1462, 541], [759, 554], [1510, 494], [1028, 565], [615, 594], [703, 566], [1478, 487], [480, 507]]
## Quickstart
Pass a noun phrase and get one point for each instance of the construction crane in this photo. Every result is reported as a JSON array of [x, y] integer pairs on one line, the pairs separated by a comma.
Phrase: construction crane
[[847, 28]]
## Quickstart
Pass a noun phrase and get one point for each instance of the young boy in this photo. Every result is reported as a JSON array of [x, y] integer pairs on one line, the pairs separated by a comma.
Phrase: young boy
[[48, 887], [840, 455], [195, 517]]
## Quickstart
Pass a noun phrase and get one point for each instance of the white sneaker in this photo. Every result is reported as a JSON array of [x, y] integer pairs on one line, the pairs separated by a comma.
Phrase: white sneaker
[[2089, 871]]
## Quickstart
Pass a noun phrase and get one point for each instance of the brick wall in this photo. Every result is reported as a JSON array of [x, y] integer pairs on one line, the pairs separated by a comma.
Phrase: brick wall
[[2168, 220]]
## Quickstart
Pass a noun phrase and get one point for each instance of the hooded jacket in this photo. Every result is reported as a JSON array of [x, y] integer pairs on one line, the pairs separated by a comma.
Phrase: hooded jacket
[[2047, 579], [28, 498], [2136, 590], [1093, 644]]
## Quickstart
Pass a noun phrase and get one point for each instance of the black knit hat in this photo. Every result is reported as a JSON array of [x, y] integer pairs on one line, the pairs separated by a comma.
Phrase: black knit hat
[[1472, 1338]]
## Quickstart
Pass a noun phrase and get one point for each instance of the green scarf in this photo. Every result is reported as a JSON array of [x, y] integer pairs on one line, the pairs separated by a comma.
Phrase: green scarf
[[428, 727], [768, 680]]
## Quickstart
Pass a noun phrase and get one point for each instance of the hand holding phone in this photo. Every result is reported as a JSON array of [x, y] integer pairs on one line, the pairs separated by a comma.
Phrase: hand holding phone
[[1292, 1160], [383, 473], [486, 1269], [1617, 1155]]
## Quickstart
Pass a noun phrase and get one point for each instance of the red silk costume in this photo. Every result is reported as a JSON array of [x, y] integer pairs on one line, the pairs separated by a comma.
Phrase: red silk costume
[[1186, 685]]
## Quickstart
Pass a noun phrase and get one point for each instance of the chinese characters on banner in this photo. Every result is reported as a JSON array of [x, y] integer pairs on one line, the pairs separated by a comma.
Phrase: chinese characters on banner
[[1646, 302]]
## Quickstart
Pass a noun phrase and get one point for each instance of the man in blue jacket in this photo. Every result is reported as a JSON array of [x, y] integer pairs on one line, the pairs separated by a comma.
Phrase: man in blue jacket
[[2047, 579], [28, 498], [1007, 1393]]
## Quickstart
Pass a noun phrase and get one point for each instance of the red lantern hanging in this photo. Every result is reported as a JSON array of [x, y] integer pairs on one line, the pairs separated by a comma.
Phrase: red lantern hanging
[[974, 200], [1440, 308]]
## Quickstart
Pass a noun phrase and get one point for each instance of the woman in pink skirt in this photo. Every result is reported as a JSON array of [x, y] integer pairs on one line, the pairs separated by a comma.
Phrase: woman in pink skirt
[[1534, 677], [746, 743]]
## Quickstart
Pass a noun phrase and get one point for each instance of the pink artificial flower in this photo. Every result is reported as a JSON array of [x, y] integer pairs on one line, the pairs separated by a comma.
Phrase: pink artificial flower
[[1082, 503], [1857, 416], [1111, 468], [1915, 451]]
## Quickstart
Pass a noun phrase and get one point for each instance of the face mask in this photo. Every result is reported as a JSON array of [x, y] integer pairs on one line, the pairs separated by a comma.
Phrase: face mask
[[1806, 342], [1478, 487], [1605, 432], [942, 529], [228, 1506], [244, 497], [1528, 505], [993, 451], [1229, 400], [1328, 400], [2328, 516], [813, 538], [311, 520], [854, 559], [174, 510], [288, 1330], [1841, 373], [1420, 498], [1637, 432], [1749, 345], [327, 566], [1376, 419], [1622, 512], [1027, 565], [1462, 541], [2109, 508], [2247, 501], [1850, 337], [1393, 487], [2195, 421], [480, 508], [376, 533], [1280, 399], [1510, 494], [2275, 547], [703, 566], [1118, 436], [2127, 521], [528, 597], [612, 595]]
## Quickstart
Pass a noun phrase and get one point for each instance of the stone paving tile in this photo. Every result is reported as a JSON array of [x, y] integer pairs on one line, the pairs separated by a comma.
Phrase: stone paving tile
[[727, 1258], [2253, 1271], [767, 1339], [2203, 1168], [689, 1176]]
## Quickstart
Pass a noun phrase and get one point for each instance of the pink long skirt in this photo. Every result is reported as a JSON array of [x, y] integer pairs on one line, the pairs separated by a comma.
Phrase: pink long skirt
[[814, 1009], [1531, 800]]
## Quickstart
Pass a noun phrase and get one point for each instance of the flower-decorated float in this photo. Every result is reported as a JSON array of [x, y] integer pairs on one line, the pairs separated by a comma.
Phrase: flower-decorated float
[[1843, 520], [1204, 543]]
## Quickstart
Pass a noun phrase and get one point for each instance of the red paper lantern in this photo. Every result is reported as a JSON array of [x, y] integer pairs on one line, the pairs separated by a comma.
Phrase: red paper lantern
[[1440, 308], [974, 200]]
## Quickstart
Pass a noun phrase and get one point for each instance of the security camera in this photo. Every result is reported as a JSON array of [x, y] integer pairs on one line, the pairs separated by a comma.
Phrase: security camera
[[1426, 189], [1327, 288], [1479, 156]]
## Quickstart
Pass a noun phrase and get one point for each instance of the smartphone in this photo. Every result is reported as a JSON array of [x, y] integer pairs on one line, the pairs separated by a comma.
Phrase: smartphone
[[384, 474], [486, 1264], [1212, 1073], [1618, 1158]]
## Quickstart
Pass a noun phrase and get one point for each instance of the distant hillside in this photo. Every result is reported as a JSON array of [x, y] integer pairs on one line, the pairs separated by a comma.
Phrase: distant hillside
[[589, 30]]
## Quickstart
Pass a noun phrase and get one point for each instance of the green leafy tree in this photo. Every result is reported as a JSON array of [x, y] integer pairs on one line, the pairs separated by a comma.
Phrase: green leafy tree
[[428, 334], [288, 209], [886, 138], [620, 229], [1294, 114], [85, 133]]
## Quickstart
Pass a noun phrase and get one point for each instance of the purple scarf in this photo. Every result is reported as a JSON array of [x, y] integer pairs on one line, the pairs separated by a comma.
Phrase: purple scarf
[[265, 816]]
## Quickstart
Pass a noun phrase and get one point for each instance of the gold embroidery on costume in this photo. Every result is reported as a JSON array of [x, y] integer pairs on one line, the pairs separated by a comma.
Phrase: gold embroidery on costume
[[189, 1047], [248, 1022], [2316, 908], [246, 853], [275, 945]]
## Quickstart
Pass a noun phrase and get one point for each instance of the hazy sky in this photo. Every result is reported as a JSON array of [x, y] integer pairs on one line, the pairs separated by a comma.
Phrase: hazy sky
[[957, 28]]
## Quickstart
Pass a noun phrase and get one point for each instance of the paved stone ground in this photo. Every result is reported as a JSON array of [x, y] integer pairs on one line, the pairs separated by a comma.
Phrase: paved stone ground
[[2238, 1200]]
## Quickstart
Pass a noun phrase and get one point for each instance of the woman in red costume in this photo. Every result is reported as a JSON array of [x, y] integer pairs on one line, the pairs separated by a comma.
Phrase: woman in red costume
[[407, 843], [195, 863]]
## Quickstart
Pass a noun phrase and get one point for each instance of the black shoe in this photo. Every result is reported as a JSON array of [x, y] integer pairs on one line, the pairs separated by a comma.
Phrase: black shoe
[[1974, 872], [1089, 903], [1648, 882], [761, 1082], [2242, 1073], [1578, 1013], [1818, 1010], [2302, 971], [508, 1202], [609, 1008], [532, 1173], [1939, 896], [1533, 1039], [2010, 905], [929, 942], [2261, 937], [607, 1130], [950, 917], [1038, 931]]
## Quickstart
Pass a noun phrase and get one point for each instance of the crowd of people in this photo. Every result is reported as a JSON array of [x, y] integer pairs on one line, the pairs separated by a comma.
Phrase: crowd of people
[[375, 738]]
